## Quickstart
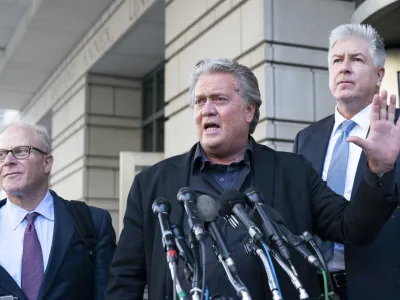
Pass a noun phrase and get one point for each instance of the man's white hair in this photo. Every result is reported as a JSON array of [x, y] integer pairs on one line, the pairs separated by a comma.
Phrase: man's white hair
[[40, 131], [364, 31]]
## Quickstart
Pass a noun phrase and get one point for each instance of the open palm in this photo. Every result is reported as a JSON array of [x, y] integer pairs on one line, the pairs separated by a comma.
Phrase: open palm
[[382, 146]]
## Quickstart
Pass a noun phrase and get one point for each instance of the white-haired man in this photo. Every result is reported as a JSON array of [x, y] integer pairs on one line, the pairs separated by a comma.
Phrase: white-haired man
[[356, 68], [43, 255]]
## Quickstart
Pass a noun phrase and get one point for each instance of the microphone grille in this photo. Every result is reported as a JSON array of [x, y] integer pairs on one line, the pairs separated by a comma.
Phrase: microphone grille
[[161, 205], [207, 208]]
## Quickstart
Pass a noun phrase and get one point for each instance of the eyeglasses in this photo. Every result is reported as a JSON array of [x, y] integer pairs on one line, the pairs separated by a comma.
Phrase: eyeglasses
[[20, 152]]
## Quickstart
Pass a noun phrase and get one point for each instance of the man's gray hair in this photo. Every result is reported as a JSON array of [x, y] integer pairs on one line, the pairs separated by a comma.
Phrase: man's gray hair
[[248, 82], [40, 131], [364, 31]]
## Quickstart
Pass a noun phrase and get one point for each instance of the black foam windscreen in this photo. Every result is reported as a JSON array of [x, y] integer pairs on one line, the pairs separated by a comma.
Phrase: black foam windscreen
[[207, 208], [229, 198]]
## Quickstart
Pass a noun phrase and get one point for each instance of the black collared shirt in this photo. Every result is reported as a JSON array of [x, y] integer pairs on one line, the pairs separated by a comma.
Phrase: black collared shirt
[[227, 176], [212, 179]]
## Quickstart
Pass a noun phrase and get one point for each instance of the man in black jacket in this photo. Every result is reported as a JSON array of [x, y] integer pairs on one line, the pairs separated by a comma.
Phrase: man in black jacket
[[226, 101]]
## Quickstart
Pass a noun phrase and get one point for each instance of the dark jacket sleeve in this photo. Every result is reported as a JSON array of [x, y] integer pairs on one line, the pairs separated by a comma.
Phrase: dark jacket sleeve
[[128, 267], [357, 221], [296, 143], [103, 254]]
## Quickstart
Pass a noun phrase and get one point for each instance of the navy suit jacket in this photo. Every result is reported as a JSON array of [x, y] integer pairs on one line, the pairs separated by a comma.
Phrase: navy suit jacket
[[372, 272], [71, 273]]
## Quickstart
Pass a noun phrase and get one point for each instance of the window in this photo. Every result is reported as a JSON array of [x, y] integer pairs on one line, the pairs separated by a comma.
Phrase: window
[[153, 111]]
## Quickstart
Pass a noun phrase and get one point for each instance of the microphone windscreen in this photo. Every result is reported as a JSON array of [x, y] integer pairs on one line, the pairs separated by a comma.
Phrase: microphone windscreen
[[228, 199], [207, 208]]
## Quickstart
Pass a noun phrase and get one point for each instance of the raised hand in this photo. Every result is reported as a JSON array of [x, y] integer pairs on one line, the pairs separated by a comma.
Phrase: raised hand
[[382, 146]]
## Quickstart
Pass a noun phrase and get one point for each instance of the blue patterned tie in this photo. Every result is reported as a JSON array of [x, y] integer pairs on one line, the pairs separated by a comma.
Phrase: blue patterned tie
[[336, 177]]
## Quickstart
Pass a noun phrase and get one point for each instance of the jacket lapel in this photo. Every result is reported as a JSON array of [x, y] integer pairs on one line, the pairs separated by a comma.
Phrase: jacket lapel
[[361, 168], [8, 283], [264, 171], [177, 178], [317, 144], [180, 179], [64, 229]]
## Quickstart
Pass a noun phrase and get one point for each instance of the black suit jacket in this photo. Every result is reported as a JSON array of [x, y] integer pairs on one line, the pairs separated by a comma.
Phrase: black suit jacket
[[373, 272], [70, 273], [287, 182]]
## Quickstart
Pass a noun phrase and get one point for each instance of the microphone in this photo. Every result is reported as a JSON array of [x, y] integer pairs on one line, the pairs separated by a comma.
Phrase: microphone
[[208, 213], [188, 197], [295, 241], [233, 201], [162, 209], [255, 198], [184, 250], [181, 243]]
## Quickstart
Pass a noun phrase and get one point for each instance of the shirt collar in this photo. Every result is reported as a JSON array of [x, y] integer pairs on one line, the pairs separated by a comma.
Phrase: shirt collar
[[362, 119], [201, 158], [17, 214]]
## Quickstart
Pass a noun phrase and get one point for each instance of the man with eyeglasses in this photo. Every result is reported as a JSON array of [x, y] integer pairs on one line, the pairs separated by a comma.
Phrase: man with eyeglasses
[[42, 254]]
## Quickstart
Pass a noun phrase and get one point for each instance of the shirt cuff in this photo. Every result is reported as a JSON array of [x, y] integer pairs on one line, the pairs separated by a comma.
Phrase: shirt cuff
[[385, 184]]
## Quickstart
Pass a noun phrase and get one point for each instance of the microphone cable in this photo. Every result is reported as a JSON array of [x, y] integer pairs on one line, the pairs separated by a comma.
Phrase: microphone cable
[[326, 294], [196, 266], [323, 271], [272, 266], [328, 286], [197, 261], [174, 280], [203, 265], [207, 294]]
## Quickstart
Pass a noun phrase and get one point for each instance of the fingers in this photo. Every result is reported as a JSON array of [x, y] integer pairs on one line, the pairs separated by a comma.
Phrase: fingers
[[362, 143], [392, 108], [375, 109], [382, 105]]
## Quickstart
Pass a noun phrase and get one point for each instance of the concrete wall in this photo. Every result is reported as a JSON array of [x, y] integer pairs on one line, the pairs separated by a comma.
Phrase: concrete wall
[[100, 119], [113, 125], [278, 39], [68, 143]]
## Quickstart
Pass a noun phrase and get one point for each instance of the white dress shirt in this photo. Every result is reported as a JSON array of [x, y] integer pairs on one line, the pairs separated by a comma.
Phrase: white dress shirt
[[362, 119], [12, 228]]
